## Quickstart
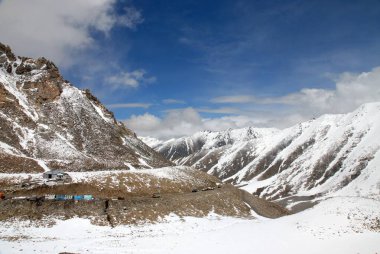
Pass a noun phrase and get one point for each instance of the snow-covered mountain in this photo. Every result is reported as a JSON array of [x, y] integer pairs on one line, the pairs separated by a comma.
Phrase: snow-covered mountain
[[45, 122], [320, 157]]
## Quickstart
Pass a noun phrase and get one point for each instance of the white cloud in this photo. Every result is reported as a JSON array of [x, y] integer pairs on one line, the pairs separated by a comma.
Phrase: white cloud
[[222, 110], [234, 99], [143, 124], [351, 91], [58, 29], [226, 122], [173, 101], [130, 105], [129, 79], [181, 122]]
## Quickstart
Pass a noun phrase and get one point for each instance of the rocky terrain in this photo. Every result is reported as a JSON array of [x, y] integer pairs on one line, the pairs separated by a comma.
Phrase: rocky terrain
[[125, 197], [296, 166], [47, 123]]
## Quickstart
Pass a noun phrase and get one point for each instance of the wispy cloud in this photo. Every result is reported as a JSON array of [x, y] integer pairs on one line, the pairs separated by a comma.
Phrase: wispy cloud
[[131, 18], [266, 45], [173, 101], [131, 79], [130, 105], [223, 110], [234, 99]]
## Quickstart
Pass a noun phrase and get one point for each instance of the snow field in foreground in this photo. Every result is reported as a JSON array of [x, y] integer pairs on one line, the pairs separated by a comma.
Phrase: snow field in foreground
[[337, 225]]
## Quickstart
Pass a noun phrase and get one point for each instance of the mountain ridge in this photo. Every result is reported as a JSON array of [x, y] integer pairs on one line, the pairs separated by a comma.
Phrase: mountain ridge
[[309, 160], [47, 123]]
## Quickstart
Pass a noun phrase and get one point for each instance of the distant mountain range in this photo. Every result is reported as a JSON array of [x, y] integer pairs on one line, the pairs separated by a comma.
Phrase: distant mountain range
[[297, 165], [47, 123]]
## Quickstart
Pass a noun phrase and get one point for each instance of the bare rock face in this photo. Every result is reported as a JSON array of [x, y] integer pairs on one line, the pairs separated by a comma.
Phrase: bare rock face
[[46, 123]]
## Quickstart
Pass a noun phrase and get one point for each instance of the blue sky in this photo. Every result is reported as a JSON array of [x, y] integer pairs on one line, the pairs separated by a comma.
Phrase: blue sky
[[239, 61]]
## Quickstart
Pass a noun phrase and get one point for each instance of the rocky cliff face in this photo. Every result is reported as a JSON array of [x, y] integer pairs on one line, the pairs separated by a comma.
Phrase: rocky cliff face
[[46, 123], [302, 163]]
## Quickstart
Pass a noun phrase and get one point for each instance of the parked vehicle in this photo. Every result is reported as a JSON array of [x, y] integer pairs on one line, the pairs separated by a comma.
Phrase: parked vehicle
[[88, 197], [56, 175], [59, 197], [49, 197], [33, 198], [156, 195], [78, 197]]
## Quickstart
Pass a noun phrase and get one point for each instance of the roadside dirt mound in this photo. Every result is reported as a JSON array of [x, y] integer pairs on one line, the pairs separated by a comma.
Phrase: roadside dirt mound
[[127, 197], [224, 201]]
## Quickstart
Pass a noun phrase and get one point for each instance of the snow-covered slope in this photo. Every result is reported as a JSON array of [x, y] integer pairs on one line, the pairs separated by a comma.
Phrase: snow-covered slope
[[339, 226], [45, 122], [206, 150], [310, 160]]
